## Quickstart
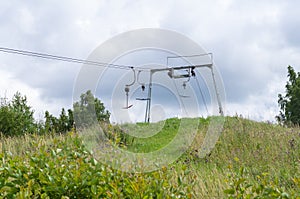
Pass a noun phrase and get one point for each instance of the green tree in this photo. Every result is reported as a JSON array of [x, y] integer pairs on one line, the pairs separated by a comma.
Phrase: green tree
[[89, 110], [63, 121], [290, 102], [16, 117]]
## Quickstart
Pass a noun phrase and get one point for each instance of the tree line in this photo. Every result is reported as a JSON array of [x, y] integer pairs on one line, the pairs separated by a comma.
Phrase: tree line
[[16, 116]]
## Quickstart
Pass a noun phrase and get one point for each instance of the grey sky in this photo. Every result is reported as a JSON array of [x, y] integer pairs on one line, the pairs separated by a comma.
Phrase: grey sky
[[253, 42]]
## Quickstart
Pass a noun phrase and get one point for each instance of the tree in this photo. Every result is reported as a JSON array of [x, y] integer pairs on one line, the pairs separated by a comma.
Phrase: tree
[[89, 110], [63, 121], [290, 102], [48, 123], [16, 117]]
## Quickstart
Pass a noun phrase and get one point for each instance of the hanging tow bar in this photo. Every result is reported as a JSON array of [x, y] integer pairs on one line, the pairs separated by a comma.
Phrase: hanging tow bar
[[127, 89]]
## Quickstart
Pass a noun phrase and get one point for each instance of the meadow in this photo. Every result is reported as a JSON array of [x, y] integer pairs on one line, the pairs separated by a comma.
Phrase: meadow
[[250, 160]]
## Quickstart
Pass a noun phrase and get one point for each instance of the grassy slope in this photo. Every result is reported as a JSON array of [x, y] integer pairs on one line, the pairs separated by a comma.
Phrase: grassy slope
[[265, 156], [268, 153]]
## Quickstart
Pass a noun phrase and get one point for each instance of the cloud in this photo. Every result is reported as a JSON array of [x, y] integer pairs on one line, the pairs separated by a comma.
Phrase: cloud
[[9, 85], [252, 43]]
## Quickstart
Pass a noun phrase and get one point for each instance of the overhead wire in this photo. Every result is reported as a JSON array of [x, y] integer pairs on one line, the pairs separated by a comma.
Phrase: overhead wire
[[66, 59]]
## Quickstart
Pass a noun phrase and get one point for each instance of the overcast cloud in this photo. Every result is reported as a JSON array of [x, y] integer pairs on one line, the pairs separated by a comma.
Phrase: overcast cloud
[[253, 42]]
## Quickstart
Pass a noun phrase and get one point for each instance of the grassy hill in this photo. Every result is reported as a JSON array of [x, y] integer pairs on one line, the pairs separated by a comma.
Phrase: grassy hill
[[250, 159]]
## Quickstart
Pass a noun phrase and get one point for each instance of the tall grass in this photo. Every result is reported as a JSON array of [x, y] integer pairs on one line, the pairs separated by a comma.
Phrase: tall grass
[[268, 155], [250, 160], [27, 143]]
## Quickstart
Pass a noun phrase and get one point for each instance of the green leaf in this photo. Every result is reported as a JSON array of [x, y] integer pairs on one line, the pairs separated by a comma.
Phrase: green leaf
[[94, 189], [229, 191]]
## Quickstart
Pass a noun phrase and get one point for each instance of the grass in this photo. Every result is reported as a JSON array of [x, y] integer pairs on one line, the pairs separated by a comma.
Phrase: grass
[[164, 132], [268, 154], [250, 159]]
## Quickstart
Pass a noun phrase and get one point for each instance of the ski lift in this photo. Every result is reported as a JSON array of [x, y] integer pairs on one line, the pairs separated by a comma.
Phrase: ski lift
[[127, 89]]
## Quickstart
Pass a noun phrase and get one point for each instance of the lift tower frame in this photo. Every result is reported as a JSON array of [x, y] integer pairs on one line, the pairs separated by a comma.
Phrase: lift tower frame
[[153, 71]]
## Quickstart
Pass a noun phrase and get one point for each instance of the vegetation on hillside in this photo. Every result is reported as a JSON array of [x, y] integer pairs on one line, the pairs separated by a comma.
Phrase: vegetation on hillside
[[250, 160]]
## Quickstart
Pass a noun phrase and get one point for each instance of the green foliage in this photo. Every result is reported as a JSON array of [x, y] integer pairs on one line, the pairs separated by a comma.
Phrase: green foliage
[[290, 102], [65, 169], [16, 117], [89, 110], [250, 160]]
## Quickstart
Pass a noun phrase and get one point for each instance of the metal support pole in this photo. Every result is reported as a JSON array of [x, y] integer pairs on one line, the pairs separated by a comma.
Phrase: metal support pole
[[126, 99], [148, 107], [217, 92]]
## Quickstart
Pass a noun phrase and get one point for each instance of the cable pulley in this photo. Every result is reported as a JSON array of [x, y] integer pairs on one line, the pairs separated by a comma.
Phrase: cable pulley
[[140, 83]]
